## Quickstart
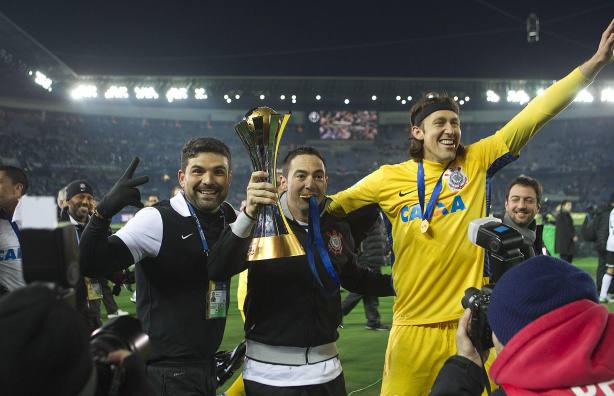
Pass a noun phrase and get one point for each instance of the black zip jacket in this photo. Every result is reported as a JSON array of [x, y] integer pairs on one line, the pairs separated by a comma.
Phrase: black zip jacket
[[285, 305]]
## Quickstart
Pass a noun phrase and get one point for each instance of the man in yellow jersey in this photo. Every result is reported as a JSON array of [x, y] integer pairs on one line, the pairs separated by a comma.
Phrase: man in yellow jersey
[[430, 201]]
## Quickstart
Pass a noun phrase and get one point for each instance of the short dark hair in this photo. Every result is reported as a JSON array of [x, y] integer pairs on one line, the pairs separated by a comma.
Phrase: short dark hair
[[416, 148], [301, 150], [201, 144], [527, 182], [17, 175], [565, 202]]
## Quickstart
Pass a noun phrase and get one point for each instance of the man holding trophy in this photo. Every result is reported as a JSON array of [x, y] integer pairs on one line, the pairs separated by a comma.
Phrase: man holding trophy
[[293, 305]]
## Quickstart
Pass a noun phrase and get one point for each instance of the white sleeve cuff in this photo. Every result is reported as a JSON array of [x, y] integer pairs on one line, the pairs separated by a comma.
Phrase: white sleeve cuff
[[242, 226]]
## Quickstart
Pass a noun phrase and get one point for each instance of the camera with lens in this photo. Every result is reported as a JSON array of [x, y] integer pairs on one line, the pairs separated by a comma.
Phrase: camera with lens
[[478, 300], [503, 244], [50, 257], [123, 332]]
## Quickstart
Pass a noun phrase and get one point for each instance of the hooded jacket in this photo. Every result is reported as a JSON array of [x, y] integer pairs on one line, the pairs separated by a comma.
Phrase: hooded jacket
[[567, 351], [562, 353]]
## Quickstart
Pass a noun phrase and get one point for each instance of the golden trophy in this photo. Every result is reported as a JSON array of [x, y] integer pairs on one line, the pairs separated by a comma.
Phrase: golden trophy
[[261, 131]]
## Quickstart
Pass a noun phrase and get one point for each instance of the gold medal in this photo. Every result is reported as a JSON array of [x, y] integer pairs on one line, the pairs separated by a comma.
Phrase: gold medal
[[424, 226]]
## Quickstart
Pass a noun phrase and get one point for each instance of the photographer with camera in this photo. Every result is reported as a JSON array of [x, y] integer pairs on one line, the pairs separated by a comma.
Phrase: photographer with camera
[[522, 203], [550, 333], [45, 349]]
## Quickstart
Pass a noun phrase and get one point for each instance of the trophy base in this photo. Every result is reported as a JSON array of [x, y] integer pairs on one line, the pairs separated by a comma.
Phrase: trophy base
[[277, 246]]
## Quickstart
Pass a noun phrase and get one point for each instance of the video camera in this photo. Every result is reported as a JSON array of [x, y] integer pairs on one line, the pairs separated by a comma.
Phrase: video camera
[[503, 243], [51, 257]]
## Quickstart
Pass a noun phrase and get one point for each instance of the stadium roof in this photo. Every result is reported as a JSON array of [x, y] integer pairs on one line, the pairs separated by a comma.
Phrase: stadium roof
[[22, 53]]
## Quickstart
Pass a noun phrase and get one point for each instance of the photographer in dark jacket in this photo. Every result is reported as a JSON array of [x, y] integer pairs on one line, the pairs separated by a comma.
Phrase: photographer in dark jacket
[[291, 321], [550, 333], [44, 350]]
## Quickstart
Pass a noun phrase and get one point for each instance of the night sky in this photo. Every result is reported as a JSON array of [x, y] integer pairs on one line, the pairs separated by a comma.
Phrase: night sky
[[447, 39]]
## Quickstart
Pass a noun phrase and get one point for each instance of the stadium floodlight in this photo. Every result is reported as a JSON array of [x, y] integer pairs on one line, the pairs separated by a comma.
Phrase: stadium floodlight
[[84, 91], [607, 95], [519, 97], [228, 100], [456, 98], [398, 97], [584, 97], [540, 91], [146, 93], [262, 96], [318, 97], [42, 80], [237, 96], [199, 93], [461, 102], [293, 100], [347, 101], [294, 97], [176, 94], [409, 98], [491, 96], [373, 97], [467, 98], [282, 97], [116, 92], [403, 101]]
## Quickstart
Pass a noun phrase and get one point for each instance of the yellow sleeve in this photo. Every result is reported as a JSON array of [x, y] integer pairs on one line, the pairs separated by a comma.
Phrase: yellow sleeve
[[363, 193], [542, 109]]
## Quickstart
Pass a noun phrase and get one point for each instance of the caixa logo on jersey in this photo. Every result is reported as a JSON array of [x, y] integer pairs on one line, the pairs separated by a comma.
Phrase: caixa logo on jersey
[[10, 254], [441, 209]]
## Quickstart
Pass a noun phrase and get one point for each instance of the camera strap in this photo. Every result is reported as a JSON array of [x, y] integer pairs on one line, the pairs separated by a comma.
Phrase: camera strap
[[314, 237], [486, 379]]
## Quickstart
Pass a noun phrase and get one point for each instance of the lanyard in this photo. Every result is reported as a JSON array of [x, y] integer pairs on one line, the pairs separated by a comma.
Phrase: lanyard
[[12, 223], [314, 236], [200, 229], [426, 214]]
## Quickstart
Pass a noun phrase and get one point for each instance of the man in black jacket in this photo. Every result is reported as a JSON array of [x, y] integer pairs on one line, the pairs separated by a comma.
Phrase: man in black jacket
[[291, 320], [170, 242], [374, 252], [565, 237]]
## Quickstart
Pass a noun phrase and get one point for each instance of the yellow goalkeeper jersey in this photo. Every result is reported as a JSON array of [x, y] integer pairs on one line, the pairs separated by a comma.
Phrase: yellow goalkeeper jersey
[[433, 269]]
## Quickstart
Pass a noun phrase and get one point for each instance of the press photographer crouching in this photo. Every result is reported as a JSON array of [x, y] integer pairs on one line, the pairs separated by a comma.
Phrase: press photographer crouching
[[45, 347], [550, 333]]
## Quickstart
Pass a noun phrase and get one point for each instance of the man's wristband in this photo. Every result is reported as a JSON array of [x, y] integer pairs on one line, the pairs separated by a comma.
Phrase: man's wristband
[[248, 216], [100, 216]]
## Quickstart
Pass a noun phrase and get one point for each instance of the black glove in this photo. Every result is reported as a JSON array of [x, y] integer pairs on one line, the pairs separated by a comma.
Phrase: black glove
[[123, 193]]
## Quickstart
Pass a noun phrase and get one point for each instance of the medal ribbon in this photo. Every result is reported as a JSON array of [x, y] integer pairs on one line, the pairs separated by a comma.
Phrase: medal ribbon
[[426, 214], [314, 237], [200, 229]]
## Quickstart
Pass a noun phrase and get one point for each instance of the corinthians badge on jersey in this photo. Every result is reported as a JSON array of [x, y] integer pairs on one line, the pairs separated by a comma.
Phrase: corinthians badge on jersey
[[335, 244], [456, 178]]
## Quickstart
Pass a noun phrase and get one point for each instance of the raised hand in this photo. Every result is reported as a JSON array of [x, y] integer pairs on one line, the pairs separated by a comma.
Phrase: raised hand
[[123, 193], [603, 56]]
